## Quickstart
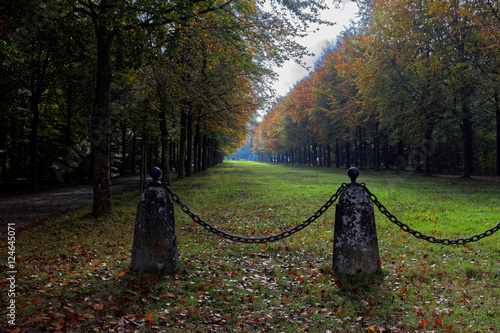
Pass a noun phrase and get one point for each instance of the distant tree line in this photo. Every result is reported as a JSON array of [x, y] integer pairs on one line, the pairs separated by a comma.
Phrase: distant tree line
[[414, 85]]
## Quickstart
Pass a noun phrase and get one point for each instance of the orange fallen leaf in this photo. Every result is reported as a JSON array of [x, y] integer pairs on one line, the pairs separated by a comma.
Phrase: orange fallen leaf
[[169, 295], [122, 273], [148, 317]]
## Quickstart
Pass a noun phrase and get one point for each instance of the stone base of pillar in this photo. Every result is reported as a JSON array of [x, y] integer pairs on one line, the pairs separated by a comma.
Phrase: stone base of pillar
[[355, 245], [155, 242]]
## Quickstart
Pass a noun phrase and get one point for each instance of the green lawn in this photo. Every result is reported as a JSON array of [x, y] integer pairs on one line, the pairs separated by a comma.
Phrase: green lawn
[[73, 270]]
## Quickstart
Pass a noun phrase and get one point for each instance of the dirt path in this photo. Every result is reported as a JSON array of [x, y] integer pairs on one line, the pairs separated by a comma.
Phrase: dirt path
[[26, 210]]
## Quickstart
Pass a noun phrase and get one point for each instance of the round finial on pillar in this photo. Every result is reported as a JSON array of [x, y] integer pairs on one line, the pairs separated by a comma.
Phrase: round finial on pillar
[[155, 174], [353, 173]]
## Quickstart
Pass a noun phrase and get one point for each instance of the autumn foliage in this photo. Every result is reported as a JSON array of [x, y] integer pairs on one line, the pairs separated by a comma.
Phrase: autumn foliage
[[412, 84]]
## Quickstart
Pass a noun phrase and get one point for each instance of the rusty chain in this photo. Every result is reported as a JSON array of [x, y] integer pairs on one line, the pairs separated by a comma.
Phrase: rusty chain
[[251, 240], [418, 234]]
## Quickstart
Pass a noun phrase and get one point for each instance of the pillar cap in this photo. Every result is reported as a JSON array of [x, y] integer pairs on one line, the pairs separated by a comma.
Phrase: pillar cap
[[353, 173], [155, 173]]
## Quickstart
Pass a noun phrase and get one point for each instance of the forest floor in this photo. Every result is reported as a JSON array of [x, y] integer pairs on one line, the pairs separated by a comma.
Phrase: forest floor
[[28, 209]]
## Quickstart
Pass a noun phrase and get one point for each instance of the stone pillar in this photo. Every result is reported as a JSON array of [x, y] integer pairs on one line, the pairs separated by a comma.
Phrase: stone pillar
[[355, 245], [155, 242]]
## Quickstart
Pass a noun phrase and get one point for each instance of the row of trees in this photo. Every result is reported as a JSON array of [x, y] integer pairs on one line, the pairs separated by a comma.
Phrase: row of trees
[[91, 88], [414, 84]]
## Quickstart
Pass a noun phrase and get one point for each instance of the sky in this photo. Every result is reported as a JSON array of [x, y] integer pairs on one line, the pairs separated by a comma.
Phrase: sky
[[291, 73]]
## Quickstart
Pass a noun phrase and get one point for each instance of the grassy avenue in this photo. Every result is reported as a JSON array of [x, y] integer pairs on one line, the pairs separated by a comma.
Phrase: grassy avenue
[[73, 271]]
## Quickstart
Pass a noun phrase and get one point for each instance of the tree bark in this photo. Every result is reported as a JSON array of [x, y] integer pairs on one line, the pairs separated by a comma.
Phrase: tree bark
[[497, 116], [35, 123], [204, 156], [337, 154], [428, 150], [4, 121], [197, 148], [361, 151], [182, 145], [189, 146], [314, 154], [399, 156], [376, 144], [101, 133], [347, 155], [466, 125], [328, 155], [36, 89], [123, 161], [134, 150], [165, 148]]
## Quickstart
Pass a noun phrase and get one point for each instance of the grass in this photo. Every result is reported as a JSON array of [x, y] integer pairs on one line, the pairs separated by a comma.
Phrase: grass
[[73, 270]]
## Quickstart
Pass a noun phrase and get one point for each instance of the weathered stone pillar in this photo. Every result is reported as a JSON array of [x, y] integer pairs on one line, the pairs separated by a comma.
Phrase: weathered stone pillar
[[155, 242], [355, 245]]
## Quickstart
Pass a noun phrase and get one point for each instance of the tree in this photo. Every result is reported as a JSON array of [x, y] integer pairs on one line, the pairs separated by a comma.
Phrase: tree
[[111, 18]]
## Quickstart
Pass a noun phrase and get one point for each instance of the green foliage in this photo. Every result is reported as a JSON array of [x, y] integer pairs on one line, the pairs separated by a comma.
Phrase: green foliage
[[79, 75]]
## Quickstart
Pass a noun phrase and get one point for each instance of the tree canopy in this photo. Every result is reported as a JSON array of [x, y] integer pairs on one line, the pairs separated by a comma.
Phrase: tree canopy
[[413, 84], [91, 89]]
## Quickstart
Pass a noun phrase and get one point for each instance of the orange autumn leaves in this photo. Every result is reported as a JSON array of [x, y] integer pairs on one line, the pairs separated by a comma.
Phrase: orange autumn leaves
[[397, 74]]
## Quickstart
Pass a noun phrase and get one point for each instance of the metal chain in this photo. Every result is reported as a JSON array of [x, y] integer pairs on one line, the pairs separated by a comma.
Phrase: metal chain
[[418, 234], [251, 240]]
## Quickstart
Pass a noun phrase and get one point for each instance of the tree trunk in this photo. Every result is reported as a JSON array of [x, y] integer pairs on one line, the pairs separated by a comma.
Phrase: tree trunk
[[4, 123], [101, 133], [347, 155], [134, 150], [328, 156], [165, 147], [337, 154], [428, 151], [35, 123], [399, 156], [466, 137], [69, 115], [361, 150], [142, 167], [197, 147], [123, 148], [189, 147], [376, 143], [314, 154], [497, 116], [37, 87], [204, 156], [387, 157], [182, 145]]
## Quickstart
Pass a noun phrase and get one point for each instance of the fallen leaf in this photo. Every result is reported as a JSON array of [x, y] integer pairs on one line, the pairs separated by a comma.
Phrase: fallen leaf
[[169, 295]]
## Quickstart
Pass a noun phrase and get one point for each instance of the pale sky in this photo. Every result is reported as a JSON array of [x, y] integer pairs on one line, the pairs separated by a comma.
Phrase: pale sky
[[291, 73]]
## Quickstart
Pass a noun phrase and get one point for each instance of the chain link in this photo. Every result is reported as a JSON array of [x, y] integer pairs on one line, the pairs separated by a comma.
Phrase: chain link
[[250, 240], [418, 234]]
